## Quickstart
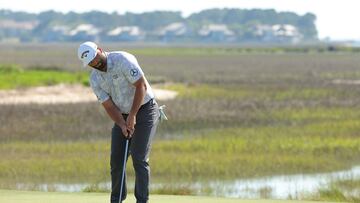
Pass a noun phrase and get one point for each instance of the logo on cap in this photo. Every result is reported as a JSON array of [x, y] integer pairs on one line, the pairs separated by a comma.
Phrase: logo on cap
[[134, 72], [84, 54]]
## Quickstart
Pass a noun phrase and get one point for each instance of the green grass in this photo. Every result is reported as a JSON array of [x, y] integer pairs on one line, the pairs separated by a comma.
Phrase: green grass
[[10, 196], [12, 76]]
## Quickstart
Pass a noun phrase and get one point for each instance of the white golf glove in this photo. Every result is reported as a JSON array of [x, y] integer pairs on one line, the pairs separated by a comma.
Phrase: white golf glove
[[162, 113]]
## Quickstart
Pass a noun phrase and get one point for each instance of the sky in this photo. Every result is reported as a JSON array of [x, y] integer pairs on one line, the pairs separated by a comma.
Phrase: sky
[[336, 19]]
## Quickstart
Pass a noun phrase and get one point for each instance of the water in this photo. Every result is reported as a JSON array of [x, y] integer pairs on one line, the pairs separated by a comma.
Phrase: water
[[276, 187], [281, 187]]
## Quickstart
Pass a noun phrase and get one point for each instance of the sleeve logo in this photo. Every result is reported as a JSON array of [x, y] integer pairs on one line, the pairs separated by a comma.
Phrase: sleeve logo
[[134, 72]]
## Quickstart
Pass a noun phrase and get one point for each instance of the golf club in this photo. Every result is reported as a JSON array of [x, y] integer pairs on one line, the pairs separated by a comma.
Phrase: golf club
[[123, 171]]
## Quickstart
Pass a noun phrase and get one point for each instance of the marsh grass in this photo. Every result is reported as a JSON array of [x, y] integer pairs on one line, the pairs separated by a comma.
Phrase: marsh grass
[[228, 153], [237, 116], [344, 189], [95, 188]]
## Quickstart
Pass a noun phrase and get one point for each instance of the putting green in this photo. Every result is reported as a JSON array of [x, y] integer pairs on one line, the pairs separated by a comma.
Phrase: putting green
[[13, 196]]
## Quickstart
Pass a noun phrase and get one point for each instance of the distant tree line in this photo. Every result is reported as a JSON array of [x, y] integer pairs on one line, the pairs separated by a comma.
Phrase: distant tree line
[[245, 25]]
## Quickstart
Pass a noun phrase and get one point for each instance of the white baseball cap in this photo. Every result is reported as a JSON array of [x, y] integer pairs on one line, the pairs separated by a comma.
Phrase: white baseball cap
[[87, 52]]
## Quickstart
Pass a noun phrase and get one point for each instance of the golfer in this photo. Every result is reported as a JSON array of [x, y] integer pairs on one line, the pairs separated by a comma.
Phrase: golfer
[[121, 87]]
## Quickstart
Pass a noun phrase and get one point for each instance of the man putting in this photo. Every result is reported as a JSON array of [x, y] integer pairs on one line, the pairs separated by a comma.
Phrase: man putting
[[121, 87]]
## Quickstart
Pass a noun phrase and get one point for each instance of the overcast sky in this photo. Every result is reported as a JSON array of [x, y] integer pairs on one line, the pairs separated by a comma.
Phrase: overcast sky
[[337, 19]]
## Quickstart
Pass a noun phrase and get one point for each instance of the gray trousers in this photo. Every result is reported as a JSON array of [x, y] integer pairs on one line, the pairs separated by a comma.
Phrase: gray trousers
[[147, 119]]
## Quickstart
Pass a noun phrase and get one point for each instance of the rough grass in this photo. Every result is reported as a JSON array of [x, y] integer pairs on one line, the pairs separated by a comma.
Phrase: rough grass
[[306, 148], [237, 115]]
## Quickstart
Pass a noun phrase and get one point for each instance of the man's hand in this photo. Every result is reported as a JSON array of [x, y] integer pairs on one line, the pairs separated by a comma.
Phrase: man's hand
[[125, 131], [115, 115], [130, 123]]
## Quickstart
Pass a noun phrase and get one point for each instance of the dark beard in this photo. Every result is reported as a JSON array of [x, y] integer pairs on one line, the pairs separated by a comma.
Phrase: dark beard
[[101, 66]]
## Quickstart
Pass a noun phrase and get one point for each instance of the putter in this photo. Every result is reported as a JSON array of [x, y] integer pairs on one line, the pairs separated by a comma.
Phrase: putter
[[124, 168]]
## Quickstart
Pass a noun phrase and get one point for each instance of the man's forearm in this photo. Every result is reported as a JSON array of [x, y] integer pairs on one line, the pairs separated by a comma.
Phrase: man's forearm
[[116, 116], [113, 112], [138, 99], [140, 91]]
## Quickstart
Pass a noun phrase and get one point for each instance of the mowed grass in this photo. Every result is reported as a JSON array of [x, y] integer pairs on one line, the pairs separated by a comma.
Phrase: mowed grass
[[9, 196]]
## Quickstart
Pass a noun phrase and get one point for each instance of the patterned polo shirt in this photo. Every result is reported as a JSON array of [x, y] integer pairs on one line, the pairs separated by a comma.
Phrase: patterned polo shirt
[[117, 82]]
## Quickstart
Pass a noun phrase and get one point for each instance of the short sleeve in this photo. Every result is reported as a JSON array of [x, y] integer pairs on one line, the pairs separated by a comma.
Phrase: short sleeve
[[101, 95], [131, 69]]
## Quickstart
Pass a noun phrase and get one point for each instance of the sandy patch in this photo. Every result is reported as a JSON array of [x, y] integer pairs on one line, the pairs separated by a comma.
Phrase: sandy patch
[[62, 94]]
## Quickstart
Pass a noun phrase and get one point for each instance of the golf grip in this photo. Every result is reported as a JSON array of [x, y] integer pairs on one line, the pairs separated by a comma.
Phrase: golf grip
[[123, 171]]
